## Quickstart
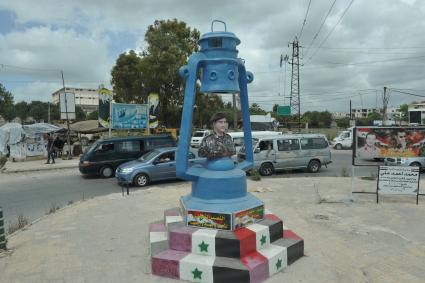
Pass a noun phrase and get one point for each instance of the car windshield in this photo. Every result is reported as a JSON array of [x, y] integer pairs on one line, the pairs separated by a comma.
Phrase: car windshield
[[254, 143], [149, 155], [92, 147], [198, 134]]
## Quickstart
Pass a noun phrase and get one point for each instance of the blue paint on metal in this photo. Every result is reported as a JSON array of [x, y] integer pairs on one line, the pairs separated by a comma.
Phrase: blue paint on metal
[[221, 186]]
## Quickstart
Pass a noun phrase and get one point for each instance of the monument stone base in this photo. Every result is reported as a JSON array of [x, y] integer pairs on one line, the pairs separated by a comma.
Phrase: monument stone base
[[248, 254]]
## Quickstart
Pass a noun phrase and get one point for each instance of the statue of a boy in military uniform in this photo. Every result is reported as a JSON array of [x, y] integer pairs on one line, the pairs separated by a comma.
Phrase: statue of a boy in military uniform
[[218, 144]]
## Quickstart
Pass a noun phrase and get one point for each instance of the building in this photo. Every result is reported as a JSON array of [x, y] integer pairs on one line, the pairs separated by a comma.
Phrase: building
[[86, 98], [340, 115], [364, 112], [416, 113]]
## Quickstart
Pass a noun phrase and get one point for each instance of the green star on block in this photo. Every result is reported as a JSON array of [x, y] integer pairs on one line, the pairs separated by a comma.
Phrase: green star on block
[[203, 246], [263, 239], [197, 274], [278, 264]]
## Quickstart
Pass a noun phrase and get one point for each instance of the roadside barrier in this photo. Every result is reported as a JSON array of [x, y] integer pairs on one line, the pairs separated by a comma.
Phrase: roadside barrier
[[2, 233]]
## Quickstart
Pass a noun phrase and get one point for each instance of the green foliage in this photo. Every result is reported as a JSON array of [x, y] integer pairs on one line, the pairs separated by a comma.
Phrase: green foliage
[[6, 104], [255, 109], [127, 79], [316, 119], [343, 123], [404, 109], [80, 115], [155, 70], [93, 115], [206, 106], [254, 175], [20, 223]]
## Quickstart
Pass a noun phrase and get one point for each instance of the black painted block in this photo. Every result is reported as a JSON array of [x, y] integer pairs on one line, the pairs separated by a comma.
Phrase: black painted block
[[229, 270], [294, 248], [275, 228], [227, 245]]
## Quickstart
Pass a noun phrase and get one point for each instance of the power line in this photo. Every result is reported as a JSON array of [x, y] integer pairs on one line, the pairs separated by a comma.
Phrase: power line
[[320, 27], [305, 20], [331, 31], [27, 68], [409, 93]]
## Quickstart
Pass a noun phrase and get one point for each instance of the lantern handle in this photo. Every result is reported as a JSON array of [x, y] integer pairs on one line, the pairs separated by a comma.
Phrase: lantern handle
[[218, 21]]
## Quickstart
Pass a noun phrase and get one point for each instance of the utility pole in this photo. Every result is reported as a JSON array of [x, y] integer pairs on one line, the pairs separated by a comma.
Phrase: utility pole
[[294, 98], [67, 118], [48, 112], [385, 100]]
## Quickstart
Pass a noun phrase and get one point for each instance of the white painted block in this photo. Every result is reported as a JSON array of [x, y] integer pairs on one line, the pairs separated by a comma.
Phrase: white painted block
[[277, 257], [262, 235], [203, 242], [157, 236], [172, 219], [197, 268]]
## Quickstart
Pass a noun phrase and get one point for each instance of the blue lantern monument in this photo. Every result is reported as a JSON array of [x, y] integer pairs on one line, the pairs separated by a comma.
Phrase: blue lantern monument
[[220, 232], [218, 191]]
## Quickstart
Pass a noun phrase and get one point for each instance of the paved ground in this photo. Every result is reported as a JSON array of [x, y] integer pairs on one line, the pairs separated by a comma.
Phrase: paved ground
[[347, 238]]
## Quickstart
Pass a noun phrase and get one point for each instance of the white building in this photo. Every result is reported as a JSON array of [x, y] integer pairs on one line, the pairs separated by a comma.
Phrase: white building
[[416, 113], [364, 112], [86, 98]]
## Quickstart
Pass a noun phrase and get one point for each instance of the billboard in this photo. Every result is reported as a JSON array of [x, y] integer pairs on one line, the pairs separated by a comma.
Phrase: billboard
[[67, 104], [105, 98], [129, 116], [153, 101], [379, 142]]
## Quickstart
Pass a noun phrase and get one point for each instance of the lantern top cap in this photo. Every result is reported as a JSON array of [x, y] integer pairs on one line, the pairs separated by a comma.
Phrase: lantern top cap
[[219, 34]]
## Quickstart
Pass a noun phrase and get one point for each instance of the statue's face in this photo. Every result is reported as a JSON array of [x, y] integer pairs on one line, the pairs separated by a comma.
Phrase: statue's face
[[220, 126]]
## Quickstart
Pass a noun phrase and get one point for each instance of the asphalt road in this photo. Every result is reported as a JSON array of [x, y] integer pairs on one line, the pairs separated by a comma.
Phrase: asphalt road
[[33, 194]]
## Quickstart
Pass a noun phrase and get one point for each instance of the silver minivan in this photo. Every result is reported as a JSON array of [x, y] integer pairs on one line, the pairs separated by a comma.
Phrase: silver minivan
[[298, 151]]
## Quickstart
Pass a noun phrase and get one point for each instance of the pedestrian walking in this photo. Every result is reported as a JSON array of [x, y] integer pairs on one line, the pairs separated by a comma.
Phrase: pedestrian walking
[[50, 149]]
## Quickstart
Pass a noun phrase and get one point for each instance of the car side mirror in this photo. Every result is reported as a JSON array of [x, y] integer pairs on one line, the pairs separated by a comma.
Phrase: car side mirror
[[257, 150]]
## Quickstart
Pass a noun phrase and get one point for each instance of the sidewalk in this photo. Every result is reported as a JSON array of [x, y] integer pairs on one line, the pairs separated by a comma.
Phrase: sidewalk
[[37, 165], [348, 238]]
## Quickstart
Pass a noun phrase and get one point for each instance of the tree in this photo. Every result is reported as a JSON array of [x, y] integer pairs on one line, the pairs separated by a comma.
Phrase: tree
[[80, 115], [22, 110], [38, 110], [6, 104], [93, 115], [155, 70], [404, 110], [127, 79], [343, 122], [170, 43], [255, 109]]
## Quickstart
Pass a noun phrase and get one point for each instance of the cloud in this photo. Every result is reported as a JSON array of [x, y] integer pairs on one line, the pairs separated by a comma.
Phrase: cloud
[[85, 38]]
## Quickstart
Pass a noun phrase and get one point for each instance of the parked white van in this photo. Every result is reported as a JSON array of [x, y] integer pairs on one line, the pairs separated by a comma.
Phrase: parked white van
[[297, 151], [198, 136], [238, 136]]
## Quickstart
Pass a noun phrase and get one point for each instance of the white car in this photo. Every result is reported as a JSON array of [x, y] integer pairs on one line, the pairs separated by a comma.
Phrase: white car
[[198, 136]]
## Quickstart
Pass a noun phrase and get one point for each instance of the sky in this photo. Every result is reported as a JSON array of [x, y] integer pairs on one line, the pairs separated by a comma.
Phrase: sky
[[349, 49]]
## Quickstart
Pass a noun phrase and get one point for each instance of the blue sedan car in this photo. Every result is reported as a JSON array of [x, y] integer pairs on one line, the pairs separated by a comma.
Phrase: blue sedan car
[[157, 164]]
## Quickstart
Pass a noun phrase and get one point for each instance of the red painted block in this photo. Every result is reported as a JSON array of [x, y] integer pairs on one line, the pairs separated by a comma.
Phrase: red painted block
[[166, 263], [175, 211], [247, 241], [180, 239], [271, 217], [291, 235], [157, 227], [257, 265]]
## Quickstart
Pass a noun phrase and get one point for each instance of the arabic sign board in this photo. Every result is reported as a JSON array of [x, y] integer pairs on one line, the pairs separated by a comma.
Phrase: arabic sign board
[[129, 116], [249, 216], [211, 220], [398, 180], [380, 142]]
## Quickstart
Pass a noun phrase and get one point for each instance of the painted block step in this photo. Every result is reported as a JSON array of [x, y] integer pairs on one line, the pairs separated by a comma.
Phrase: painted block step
[[293, 244]]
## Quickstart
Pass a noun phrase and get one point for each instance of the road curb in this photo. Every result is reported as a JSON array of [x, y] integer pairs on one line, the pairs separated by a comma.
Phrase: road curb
[[10, 171]]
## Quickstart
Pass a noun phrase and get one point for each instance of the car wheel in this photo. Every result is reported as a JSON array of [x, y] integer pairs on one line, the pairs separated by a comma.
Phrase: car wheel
[[338, 146], [141, 180], [314, 166], [266, 169], [415, 164], [106, 172]]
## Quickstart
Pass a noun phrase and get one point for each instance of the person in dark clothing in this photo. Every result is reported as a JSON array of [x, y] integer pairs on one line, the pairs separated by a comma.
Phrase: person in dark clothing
[[50, 149], [58, 146]]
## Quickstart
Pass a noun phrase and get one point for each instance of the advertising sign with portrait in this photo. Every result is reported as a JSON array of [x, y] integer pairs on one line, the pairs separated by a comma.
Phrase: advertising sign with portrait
[[129, 116], [373, 143]]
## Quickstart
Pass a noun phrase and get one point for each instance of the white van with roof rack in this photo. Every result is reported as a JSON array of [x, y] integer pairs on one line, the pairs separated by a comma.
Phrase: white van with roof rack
[[294, 151], [198, 136]]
